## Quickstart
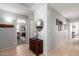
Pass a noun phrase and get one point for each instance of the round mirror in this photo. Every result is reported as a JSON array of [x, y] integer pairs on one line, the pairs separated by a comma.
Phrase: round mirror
[[39, 24]]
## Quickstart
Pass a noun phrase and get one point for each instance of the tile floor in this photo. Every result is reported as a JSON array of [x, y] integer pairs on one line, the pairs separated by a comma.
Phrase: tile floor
[[68, 48], [21, 50]]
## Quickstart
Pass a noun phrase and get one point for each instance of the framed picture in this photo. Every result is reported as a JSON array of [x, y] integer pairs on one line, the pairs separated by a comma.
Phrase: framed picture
[[56, 21], [22, 27], [59, 24]]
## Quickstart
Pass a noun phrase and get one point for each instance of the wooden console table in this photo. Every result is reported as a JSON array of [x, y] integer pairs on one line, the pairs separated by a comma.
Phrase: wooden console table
[[36, 45]]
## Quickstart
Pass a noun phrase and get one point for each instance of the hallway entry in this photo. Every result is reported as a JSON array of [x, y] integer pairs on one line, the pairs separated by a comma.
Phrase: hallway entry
[[21, 31], [74, 31]]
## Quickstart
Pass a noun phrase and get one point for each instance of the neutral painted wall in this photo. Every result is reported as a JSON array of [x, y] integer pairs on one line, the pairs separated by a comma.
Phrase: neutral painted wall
[[41, 13], [54, 37], [7, 38]]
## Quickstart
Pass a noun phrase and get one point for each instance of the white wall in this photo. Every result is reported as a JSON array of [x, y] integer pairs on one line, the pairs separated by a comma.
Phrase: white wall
[[7, 38], [54, 37], [41, 13]]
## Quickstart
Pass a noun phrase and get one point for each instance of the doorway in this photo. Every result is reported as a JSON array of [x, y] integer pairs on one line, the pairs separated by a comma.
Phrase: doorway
[[21, 31], [74, 30]]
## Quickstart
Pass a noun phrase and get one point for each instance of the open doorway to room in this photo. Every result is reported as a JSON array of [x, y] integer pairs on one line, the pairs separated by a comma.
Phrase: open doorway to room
[[74, 30], [21, 31]]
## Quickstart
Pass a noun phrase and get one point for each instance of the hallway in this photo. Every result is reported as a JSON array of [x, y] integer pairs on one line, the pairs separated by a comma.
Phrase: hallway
[[68, 48]]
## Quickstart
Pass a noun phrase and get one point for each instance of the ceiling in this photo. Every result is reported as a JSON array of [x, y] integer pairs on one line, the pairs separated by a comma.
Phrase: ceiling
[[28, 5], [32, 6], [20, 8], [68, 10], [15, 8]]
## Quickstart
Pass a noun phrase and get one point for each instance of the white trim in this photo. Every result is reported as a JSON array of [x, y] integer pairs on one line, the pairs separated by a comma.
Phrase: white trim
[[28, 29]]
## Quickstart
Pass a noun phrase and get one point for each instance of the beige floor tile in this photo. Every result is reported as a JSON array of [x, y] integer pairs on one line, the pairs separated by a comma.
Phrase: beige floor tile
[[68, 48]]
